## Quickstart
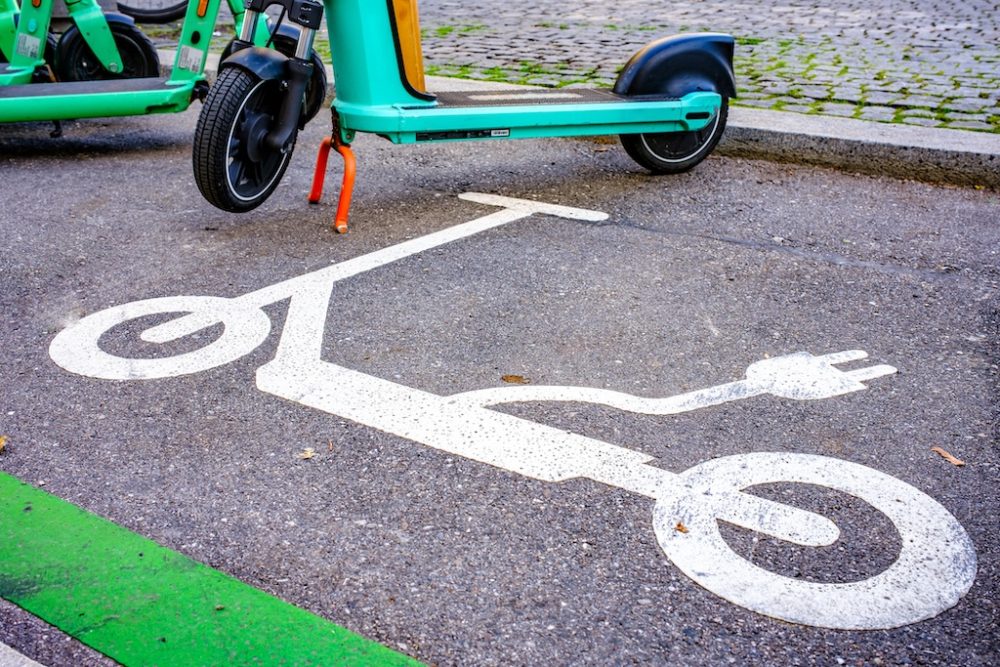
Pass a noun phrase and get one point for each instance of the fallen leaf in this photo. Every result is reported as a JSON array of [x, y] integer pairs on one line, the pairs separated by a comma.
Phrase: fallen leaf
[[681, 528], [329, 446], [947, 457], [307, 453], [3, 444], [515, 379]]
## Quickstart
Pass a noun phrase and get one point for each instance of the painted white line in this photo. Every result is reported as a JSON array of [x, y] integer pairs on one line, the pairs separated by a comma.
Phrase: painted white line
[[11, 658], [512, 210]]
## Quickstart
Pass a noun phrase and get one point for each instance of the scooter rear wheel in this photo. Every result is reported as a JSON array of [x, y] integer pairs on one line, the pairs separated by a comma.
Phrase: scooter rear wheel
[[76, 62], [233, 167], [676, 152]]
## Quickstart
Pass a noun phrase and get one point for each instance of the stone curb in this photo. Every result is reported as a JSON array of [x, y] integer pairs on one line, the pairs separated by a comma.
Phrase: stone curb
[[901, 151]]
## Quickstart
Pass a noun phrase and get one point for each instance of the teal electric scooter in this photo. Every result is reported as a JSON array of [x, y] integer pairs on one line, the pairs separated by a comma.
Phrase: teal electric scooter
[[669, 104], [103, 65]]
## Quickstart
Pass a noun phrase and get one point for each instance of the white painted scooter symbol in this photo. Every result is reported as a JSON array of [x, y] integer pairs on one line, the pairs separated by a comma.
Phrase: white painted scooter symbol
[[936, 565]]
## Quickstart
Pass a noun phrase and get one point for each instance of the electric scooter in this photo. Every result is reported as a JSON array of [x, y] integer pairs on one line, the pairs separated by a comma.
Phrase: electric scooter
[[103, 65], [669, 104]]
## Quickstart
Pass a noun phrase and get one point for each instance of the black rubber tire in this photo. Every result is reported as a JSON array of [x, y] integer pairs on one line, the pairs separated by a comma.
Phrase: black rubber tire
[[232, 168], [676, 152], [154, 11], [315, 88], [76, 62]]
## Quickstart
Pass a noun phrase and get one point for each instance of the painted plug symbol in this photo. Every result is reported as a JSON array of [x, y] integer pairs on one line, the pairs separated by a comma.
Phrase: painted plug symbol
[[799, 376], [803, 376]]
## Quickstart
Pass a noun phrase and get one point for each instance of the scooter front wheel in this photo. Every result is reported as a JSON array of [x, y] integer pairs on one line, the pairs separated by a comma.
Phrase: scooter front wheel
[[286, 41], [676, 152], [233, 167]]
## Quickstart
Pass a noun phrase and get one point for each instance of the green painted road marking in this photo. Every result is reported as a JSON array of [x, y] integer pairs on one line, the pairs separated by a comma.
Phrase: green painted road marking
[[143, 604]]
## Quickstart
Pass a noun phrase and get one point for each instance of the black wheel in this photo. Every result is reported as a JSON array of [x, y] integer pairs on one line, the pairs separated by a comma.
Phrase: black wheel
[[76, 62], [675, 152], [233, 168], [285, 43], [154, 11]]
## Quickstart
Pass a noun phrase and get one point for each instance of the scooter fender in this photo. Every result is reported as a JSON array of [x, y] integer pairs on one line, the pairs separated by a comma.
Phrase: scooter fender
[[682, 64], [266, 64]]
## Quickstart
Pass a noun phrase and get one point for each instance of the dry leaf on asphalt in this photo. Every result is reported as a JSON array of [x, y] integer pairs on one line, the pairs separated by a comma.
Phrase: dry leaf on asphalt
[[515, 379], [3, 444], [307, 453], [947, 457]]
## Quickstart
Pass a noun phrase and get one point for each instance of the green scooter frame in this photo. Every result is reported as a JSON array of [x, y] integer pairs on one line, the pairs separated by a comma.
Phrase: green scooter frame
[[9, 11], [669, 104], [23, 46]]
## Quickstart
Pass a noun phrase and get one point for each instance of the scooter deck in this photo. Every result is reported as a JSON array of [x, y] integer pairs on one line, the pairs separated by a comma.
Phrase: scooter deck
[[92, 99], [82, 87], [529, 113]]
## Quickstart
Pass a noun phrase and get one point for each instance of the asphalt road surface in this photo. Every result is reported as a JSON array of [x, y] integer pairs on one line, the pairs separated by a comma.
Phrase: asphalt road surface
[[426, 523]]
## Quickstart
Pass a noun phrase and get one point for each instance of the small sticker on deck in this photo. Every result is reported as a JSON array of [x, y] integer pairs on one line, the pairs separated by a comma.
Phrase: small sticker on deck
[[28, 46], [190, 58]]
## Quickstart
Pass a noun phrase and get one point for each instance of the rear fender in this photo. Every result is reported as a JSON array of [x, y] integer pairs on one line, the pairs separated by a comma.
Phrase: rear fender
[[682, 64]]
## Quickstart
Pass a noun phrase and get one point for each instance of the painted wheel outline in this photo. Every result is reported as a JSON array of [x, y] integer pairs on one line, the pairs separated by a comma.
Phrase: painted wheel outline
[[77, 348], [935, 568]]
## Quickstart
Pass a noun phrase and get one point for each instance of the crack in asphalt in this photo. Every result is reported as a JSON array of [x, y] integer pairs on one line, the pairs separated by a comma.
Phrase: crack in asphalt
[[950, 275]]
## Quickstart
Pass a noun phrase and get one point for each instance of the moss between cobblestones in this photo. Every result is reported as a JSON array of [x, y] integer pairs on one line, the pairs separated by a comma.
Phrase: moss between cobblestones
[[771, 74]]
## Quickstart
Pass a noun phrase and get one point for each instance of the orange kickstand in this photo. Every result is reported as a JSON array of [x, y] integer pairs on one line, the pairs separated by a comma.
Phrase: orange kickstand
[[347, 187]]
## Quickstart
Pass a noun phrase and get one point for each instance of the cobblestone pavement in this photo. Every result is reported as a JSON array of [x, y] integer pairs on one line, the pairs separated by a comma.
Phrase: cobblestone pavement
[[934, 63]]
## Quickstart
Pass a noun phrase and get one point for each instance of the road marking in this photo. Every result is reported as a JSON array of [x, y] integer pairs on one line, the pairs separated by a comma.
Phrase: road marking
[[142, 604], [11, 658], [937, 562]]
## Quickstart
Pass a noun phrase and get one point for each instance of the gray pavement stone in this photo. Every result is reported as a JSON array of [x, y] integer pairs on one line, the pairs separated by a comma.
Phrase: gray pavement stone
[[921, 121], [879, 97], [883, 114], [838, 109]]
